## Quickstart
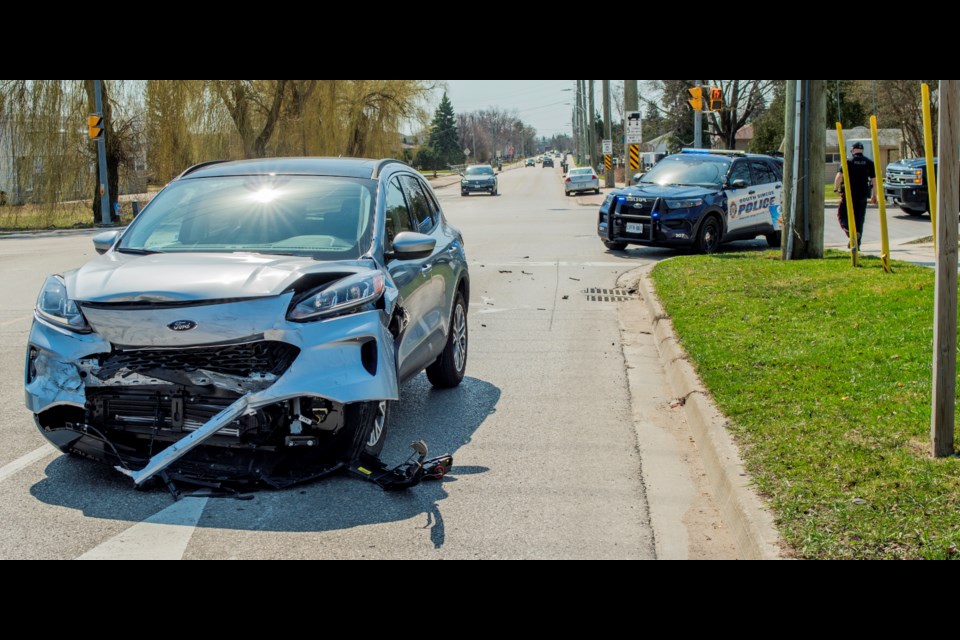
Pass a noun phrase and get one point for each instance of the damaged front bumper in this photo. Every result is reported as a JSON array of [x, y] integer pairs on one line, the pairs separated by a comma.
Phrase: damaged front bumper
[[244, 398]]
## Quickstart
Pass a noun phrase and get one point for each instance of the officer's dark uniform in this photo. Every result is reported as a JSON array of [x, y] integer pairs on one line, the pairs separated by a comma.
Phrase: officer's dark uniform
[[861, 172]]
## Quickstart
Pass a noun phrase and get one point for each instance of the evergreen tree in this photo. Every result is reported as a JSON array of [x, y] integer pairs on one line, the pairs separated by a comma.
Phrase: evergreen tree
[[444, 140]]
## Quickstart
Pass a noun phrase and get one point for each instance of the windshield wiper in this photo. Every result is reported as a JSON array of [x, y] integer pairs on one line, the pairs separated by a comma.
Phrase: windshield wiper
[[139, 252]]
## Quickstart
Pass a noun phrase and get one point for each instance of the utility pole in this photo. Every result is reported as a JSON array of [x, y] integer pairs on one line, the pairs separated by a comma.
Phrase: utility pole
[[578, 110], [607, 128], [592, 128], [698, 123], [105, 218], [630, 103], [801, 216], [945, 305]]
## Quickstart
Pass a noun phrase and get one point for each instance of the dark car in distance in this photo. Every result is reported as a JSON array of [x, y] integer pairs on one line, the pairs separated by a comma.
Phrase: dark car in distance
[[478, 177], [548, 161]]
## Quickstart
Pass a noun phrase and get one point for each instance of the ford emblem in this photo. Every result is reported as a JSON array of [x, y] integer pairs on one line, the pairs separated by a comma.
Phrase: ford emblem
[[182, 325]]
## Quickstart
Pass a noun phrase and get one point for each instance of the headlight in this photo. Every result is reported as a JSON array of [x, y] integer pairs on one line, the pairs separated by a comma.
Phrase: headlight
[[684, 204], [464, 181], [54, 305], [339, 296]]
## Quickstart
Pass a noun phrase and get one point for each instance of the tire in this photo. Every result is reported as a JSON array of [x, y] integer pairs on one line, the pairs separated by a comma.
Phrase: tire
[[708, 238], [566, 193], [447, 370], [773, 239], [615, 246], [597, 191], [463, 193], [913, 212], [371, 422], [495, 192]]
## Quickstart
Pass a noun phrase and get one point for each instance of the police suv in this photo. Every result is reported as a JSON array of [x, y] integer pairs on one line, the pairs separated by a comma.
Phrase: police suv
[[699, 198]]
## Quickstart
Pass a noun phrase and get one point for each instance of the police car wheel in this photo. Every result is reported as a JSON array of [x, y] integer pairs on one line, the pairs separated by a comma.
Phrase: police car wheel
[[913, 212], [708, 239], [773, 239], [615, 246]]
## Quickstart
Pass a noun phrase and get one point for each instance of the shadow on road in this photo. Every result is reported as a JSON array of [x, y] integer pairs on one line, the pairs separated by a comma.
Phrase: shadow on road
[[445, 419]]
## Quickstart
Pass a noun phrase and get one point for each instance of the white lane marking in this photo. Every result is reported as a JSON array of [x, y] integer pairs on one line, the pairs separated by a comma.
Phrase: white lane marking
[[162, 536], [26, 460]]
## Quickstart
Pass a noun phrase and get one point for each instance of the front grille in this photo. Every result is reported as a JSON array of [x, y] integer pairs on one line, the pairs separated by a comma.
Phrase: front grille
[[901, 177], [267, 356], [120, 408]]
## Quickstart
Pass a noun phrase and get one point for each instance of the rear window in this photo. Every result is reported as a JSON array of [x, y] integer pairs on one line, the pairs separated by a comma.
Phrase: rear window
[[579, 172]]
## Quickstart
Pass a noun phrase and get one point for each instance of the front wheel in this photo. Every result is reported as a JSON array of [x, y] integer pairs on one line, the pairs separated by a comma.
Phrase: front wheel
[[774, 239], [913, 212], [708, 239], [463, 193], [447, 370], [495, 192], [615, 246], [370, 420]]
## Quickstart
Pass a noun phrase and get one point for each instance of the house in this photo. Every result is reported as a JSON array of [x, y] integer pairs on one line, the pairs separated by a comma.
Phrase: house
[[890, 142]]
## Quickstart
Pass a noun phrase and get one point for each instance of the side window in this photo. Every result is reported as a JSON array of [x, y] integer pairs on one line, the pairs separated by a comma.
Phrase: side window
[[419, 205], [763, 173], [398, 216], [740, 171]]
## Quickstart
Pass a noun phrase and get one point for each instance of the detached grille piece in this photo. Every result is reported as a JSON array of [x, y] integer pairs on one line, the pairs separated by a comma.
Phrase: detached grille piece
[[130, 409], [268, 356]]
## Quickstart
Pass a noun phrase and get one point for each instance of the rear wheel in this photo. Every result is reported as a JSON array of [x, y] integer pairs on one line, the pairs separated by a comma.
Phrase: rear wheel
[[708, 239], [773, 239], [597, 191], [448, 369], [615, 246]]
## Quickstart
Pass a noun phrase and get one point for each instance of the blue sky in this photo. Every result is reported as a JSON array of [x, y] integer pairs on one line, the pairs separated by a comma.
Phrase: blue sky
[[539, 103]]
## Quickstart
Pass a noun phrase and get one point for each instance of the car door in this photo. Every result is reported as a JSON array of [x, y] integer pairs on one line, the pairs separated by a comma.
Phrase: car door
[[765, 216], [431, 286], [739, 199], [412, 348]]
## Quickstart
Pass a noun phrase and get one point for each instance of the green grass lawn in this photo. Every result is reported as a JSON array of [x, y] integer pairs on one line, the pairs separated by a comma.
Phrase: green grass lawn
[[825, 372], [61, 216]]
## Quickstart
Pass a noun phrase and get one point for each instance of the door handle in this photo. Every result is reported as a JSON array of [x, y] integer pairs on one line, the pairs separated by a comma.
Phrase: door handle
[[778, 186], [751, 192]]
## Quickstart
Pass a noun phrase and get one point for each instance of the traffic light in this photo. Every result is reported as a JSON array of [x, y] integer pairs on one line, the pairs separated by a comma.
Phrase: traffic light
[[94, 126], [696, 98], [716, 99]]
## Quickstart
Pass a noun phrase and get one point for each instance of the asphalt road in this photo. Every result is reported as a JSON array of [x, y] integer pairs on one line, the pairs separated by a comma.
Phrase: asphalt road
[[564, 446]]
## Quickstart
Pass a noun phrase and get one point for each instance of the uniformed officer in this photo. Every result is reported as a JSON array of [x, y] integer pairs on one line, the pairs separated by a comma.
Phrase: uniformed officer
[[862, 186]]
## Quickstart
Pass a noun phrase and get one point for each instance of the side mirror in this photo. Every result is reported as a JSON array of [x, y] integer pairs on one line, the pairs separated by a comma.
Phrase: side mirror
[[103, 241], [738, 184], [410, 245]]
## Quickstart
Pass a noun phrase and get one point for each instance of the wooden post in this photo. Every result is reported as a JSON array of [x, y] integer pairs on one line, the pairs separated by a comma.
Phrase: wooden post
[[945, 307], [787, 216], [816, 106]]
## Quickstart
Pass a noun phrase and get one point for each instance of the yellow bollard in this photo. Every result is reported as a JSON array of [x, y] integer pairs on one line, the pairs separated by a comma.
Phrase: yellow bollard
[[881, 201], [851, 220], [928, 151]]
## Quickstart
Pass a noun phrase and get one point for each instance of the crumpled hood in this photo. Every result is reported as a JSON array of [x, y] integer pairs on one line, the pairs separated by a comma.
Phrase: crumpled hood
[[168, 277]]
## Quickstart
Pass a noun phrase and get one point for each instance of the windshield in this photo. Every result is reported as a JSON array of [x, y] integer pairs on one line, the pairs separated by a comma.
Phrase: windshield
[[479, 171], [322, 217], [688, 169]]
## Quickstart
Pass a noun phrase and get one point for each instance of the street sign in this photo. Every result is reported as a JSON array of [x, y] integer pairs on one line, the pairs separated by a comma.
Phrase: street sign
[[466, 151], [608, 146], [634, 157], [633, 128]]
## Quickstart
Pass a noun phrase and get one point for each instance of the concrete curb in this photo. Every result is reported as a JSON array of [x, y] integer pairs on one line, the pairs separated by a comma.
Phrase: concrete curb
[[750, 524]]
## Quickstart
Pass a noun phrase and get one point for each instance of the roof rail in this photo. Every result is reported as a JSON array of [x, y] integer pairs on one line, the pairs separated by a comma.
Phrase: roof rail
[[725, 152], [198, 166], [382, 164]]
